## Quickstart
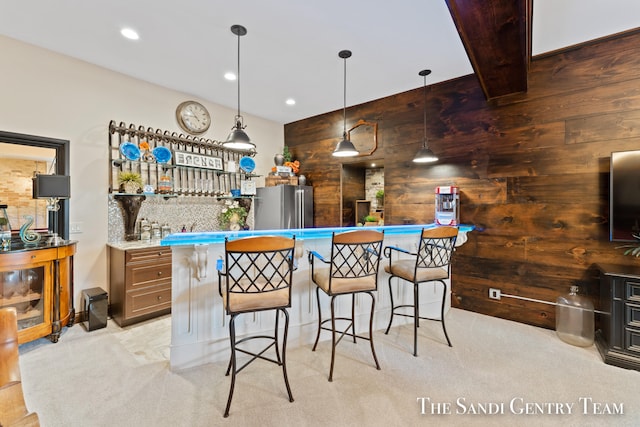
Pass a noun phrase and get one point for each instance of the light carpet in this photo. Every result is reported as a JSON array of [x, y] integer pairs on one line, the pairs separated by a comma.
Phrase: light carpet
[[498, 373]]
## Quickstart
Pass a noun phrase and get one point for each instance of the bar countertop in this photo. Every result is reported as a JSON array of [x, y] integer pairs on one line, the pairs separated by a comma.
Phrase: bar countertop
[[299, 233]]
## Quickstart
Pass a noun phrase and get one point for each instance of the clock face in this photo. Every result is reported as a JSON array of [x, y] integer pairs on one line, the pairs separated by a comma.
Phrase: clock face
[[193, 117]]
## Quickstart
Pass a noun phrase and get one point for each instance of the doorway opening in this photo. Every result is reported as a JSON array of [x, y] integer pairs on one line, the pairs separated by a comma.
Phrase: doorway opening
[[361, 183]]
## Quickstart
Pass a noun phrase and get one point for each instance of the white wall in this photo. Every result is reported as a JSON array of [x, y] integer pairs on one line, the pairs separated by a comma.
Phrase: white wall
[[46, 94]]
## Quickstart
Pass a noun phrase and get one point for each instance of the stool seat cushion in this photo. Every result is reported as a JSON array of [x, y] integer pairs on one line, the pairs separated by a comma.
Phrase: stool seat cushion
[[253, 301], [340, 285], [405, 268]]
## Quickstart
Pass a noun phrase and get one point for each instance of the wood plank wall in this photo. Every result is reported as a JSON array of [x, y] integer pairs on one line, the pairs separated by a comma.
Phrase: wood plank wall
[[533, 171]]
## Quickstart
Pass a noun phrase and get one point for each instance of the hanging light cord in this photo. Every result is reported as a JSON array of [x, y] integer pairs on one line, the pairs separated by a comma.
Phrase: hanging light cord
[[424, 141], [238, 76], [344, 100]]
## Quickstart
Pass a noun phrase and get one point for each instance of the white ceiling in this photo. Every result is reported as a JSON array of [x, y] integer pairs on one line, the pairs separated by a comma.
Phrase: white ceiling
[[291, 49]]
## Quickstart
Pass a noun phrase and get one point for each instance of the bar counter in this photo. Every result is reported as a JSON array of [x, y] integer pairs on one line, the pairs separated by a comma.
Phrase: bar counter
[[199, 331], [299, 233]]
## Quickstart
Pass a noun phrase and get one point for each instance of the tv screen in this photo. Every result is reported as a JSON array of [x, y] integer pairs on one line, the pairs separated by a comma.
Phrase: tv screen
[[624, 192]]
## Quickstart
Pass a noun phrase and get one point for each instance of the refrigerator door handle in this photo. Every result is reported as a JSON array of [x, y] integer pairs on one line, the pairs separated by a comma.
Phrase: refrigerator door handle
[[300, 207]]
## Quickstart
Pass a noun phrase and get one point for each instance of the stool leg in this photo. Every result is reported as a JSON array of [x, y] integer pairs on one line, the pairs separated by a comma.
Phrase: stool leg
[[284, 351], [392, 307], [319, 319], [333, 338], [353, 317], [444, 297], [232, 337], [416, 319], [275, 339], [373, 350]]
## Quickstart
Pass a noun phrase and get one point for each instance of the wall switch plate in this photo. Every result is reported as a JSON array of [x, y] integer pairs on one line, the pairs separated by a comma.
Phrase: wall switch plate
[[75, 227], [494, 293]]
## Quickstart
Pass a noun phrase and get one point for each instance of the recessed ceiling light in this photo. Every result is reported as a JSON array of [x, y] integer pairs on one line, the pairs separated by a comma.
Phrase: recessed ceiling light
[[290, 101], [129, 33], [230, 76], [373, 165]]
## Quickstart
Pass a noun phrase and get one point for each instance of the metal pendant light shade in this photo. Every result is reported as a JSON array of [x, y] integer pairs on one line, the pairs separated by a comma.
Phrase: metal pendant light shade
[[238, 138], [345, 148], [425, 155]]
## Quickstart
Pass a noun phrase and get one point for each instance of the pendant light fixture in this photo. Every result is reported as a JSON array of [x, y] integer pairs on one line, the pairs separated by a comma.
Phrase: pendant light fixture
[[345, 148], [425, 155], [238, 139]]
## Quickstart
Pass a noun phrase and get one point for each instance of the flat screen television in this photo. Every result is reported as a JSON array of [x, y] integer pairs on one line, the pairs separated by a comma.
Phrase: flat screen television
[[624, 196]]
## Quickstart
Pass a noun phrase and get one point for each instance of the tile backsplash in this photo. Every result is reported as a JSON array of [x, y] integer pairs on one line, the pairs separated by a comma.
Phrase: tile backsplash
[[191, 212]]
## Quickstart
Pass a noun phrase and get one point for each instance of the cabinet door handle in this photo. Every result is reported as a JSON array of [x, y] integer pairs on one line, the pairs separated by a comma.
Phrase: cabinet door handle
[[159, 298], [159, 273]]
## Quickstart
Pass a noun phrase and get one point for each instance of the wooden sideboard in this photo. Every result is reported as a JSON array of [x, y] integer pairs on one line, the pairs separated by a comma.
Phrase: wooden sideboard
[[140, 283], [38, 281], [618, 335]]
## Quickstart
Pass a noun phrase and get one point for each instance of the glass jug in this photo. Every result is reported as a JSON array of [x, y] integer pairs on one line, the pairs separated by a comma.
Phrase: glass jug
[[575, 319]]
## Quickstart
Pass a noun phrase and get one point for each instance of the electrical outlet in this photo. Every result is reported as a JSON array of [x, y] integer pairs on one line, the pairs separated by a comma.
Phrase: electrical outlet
[[494, 293], [75, 228]]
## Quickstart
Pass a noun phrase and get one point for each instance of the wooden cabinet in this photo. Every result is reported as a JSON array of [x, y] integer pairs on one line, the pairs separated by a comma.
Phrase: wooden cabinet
[[140, 283], [39, 283], [618, 334]]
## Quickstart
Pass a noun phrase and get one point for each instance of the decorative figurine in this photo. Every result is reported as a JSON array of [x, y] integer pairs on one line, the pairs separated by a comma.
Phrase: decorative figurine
[[29, 237]]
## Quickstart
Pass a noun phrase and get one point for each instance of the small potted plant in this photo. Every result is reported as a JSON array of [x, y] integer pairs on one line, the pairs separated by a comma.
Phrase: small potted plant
[[233, 216], [370, 220], [130, 182], [380, 198]]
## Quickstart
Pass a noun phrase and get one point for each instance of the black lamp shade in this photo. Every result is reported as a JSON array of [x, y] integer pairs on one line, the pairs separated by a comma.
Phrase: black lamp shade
[[345, 148], [425, 155], [51, 186]]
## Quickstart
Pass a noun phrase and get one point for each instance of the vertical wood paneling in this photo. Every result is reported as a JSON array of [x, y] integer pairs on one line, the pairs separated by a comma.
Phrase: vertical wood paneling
[[533, 171]]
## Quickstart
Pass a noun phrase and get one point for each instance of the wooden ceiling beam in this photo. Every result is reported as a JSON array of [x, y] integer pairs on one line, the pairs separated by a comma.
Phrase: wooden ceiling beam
[[497, 37]]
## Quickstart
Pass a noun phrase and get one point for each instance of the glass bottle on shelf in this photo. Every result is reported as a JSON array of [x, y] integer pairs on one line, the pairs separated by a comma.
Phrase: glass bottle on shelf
[[145, 229], [165, 185]]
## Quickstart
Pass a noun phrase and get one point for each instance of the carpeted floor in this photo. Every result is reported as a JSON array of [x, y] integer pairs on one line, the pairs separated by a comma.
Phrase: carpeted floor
[[498, 373]]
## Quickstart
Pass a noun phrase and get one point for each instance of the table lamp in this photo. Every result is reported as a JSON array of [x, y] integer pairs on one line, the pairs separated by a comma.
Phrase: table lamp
[[53, 188]]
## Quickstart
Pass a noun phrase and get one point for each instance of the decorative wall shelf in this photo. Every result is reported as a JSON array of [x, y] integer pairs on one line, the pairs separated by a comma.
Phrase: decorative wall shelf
[[185, 180]]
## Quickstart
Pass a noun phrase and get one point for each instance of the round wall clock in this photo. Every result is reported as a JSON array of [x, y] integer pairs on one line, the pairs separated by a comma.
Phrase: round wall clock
[[193, 117]]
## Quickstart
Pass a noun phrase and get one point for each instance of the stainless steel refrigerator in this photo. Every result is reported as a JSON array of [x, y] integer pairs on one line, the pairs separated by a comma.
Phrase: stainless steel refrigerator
[[283, 207]]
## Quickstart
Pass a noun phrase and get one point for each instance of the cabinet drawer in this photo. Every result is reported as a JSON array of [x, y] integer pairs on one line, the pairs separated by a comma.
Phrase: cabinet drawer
[[632, 315], [148, 255], [148, 300], [632, 340], [633, 291], [138, 275], [27, 257]]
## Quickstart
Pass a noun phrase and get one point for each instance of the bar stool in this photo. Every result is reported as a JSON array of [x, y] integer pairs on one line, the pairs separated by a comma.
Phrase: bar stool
[[257, 277], [430, 264], [353, 269]]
